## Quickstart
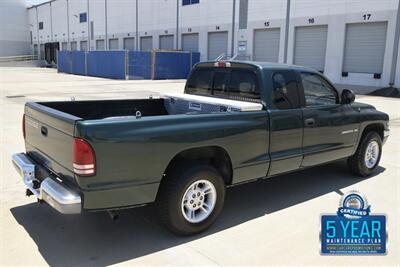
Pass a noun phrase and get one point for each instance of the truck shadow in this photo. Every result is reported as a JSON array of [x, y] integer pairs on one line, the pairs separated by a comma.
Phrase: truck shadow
[[92, 239]]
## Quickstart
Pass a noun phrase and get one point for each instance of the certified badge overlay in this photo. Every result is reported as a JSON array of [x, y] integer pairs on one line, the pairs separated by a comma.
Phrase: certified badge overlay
[[353, 230]]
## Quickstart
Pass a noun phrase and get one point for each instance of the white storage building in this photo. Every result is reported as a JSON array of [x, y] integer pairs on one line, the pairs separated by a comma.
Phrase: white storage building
[[353, 42]]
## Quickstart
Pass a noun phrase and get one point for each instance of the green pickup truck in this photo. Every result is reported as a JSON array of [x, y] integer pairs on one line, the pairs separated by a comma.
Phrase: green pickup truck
[[235, 122]]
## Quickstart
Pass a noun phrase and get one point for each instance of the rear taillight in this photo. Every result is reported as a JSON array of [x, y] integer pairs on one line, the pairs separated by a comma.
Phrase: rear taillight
[[23, 126], [83, 158]]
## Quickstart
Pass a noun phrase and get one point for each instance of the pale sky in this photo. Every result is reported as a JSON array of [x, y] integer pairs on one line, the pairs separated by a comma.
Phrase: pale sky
[[35, 2]]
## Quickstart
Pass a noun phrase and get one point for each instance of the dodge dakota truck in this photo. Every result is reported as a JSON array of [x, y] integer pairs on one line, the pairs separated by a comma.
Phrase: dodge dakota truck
[[235, 122]]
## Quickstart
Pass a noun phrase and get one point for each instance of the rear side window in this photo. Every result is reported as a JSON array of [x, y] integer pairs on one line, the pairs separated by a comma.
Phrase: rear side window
[[229, 83], [285, 93]]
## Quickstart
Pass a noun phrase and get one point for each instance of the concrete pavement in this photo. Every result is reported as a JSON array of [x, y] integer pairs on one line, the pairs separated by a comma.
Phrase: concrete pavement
[[268, 222]]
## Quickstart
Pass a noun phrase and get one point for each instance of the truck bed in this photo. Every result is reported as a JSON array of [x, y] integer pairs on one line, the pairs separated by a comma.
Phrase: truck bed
[[93, 110]]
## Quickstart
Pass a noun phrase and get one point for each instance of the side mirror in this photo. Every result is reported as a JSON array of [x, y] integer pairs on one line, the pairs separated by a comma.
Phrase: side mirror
[[348, 96]]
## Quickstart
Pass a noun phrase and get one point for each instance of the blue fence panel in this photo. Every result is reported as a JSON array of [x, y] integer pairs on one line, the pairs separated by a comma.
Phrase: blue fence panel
[[78, 62], [195, 58], [139, 65], [172, 65], [106, 64], [64, 61]]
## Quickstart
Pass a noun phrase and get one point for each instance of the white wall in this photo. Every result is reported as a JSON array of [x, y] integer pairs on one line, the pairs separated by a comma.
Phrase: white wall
[[60, 24], [78, 31], [121, 21], [14, 28], [97, 15], [158, 17], [44, 16], [208, 16]]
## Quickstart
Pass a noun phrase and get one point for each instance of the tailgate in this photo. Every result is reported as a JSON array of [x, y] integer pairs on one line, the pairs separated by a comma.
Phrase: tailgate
[[49, 138]]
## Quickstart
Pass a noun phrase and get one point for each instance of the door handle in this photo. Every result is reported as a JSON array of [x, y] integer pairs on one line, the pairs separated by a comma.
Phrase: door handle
[[309, 122]]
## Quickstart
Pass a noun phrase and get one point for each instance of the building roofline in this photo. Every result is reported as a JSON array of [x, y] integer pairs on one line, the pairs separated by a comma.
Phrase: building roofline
[[42, 4]]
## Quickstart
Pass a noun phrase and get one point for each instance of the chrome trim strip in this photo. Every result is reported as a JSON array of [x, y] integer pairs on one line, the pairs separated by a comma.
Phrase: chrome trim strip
[[82, 167], [89, 171], [350, 131]]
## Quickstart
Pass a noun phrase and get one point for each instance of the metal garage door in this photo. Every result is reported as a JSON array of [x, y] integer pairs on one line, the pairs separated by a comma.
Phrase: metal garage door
[[310, 46], [217, 44], [100, 44], [113, 44], [146, 43], [84, 46], [166, 42], [190, 42], [266, 45], [365, 47], [74, 46], [129, 43]]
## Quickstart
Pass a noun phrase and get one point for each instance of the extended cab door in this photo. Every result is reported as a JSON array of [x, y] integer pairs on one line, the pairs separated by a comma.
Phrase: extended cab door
[[330, 128], [286, 123]]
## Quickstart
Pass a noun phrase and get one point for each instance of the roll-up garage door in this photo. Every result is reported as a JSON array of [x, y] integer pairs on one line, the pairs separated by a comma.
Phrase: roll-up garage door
[[365, 47], [100, 44], [84, 46], [190, 42], [113, 44], [74, 46], [266, 45], [166, 42], [217, 44], [129, 43], [310, 46], [146, 43]]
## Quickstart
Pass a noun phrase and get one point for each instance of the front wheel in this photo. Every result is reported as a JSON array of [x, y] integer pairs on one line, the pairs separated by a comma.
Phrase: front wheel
[[367, 156], [191, 199]]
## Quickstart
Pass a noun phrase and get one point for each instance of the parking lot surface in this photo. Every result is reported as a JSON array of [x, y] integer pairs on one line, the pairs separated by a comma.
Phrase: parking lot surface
[[267, 222]]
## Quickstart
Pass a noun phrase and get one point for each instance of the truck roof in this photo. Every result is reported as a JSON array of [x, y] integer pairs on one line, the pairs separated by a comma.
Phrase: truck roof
[[260, 65]]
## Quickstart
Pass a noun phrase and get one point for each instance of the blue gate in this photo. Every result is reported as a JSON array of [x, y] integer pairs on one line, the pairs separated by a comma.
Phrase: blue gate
[[106, 64], [128, 64], [78, 62], [139, 65]]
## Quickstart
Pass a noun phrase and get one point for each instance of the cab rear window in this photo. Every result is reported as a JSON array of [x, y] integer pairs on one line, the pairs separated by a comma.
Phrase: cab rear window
[[236, 84]]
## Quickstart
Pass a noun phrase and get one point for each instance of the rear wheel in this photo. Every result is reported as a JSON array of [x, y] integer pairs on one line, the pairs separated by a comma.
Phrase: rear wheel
[[367, 156], [191, 198]]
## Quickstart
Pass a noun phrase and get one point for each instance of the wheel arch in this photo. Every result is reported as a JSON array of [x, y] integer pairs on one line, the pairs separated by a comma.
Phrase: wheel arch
[[216, 156], [377, 127]]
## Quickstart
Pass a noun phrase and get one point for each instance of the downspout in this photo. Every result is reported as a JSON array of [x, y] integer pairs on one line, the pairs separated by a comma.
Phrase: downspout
[[68, 40], [177, 25], [233, 28], [285, 51], [395, 48], [106, 21], [88, 24], [38, 38], [137, 25], [51, 22]]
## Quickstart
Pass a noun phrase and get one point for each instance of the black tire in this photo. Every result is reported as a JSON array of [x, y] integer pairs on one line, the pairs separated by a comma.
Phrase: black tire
[[356, 163], [172, 190]]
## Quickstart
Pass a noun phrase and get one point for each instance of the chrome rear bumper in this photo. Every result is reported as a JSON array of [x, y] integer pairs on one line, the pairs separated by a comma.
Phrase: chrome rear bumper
[[56, 194]]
